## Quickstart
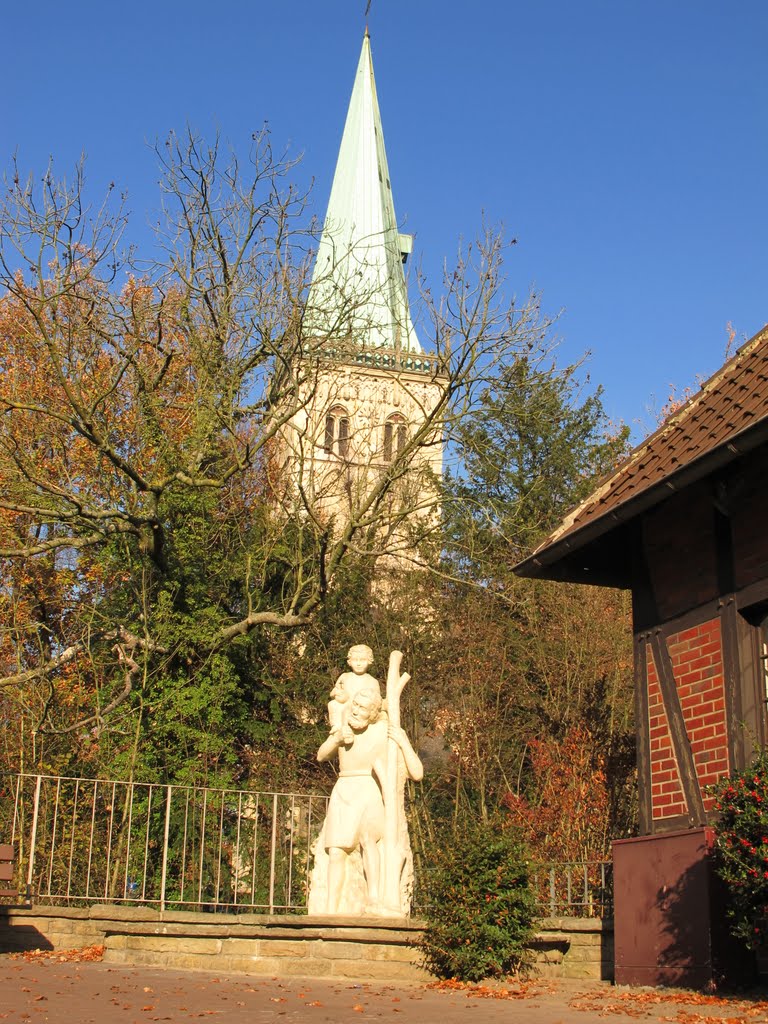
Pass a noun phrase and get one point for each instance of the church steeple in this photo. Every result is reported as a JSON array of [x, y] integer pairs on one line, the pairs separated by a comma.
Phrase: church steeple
[[358, 285]]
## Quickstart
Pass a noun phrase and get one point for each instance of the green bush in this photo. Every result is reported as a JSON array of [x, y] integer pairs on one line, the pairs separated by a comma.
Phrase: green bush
[[480, 908], [741, 851]]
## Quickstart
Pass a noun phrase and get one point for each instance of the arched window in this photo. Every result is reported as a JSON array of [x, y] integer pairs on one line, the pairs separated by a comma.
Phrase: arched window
[[395, 436], [337, 432]]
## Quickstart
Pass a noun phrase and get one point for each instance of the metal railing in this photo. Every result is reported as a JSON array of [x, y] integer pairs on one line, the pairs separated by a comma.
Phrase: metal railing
[[564, 889], [181, 847], [81, 841], [574, 889]]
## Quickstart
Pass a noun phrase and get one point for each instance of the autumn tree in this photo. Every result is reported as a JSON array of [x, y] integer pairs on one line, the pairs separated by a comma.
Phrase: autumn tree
[[151, 542], [526, 664], [566, 814]]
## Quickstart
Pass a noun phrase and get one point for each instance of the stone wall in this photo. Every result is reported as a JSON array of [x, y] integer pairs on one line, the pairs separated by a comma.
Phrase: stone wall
[[49, 928], [574, 947], [378, 949]]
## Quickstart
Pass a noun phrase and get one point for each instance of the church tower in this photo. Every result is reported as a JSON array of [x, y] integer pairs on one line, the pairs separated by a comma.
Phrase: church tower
[[374, 386]]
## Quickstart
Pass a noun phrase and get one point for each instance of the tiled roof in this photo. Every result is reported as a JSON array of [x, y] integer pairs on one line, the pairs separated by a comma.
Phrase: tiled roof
[[733, 400]]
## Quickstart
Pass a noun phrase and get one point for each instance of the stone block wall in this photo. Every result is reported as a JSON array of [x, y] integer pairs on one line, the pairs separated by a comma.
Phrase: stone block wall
[[48, 928], [279, 945], [287, 945], [570, 947]]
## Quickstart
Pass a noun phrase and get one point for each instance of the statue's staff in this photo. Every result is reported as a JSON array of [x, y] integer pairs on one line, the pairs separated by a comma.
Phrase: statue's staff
[[394, 855]]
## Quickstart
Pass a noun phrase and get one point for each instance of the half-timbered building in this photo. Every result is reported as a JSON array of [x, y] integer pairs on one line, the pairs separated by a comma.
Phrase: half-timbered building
[[683, 523]]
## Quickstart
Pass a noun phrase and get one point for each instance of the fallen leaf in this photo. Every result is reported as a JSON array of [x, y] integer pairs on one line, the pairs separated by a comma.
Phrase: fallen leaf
[[86, 954]]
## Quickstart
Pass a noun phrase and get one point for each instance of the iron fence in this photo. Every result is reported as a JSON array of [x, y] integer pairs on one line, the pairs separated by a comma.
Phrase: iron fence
[[564, 889], [574, 889], [82, 841], [180, 847]]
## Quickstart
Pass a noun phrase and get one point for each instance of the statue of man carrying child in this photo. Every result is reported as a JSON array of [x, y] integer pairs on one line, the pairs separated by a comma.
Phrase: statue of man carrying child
[[363, 861]]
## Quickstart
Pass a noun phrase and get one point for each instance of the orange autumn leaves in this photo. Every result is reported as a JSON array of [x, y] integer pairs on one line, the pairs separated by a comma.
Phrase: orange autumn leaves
[[568, 820], [106, 398]]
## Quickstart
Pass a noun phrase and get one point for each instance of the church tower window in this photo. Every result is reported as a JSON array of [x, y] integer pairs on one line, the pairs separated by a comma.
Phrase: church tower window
[[337, 432], [395, 435]]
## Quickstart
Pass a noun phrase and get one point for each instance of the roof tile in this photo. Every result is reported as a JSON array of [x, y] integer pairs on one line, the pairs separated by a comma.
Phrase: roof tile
[[732, 400]]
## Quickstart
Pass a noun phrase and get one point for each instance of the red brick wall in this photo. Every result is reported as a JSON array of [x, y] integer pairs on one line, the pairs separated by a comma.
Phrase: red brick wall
[[697, 661], [697, 664], [667, 798]]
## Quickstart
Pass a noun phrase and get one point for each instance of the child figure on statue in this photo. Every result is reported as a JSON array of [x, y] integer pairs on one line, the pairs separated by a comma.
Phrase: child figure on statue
[[348, 685]]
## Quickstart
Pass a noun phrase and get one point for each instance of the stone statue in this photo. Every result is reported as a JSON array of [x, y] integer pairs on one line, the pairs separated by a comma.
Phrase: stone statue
[[363, 862], [359, 658]]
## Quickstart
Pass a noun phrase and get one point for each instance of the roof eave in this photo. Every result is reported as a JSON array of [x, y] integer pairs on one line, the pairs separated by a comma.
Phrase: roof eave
[[548, 555]]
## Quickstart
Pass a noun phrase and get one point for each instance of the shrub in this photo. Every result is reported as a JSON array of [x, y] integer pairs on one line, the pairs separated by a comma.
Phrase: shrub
[[741, 851], [480, 907]]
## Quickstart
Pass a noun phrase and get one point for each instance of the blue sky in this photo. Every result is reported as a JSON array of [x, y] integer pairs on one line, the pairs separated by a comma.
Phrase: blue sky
[[624, 143]]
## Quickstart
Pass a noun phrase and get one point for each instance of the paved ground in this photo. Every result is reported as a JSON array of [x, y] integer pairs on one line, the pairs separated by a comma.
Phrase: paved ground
[[79, 993]]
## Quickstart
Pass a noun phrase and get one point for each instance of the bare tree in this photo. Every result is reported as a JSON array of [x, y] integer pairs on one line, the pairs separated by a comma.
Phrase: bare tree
[[160, 414]]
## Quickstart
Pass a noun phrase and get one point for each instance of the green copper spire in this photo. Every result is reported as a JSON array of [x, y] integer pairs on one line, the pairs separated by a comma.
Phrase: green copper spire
[[358, 285]]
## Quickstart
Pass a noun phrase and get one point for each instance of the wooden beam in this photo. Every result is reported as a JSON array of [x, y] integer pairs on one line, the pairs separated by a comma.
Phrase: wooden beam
[[738, 754], [726, 579], [677, 731], [643, 736]]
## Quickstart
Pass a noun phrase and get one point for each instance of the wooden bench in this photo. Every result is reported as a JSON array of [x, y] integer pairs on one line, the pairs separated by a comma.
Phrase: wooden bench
[[7, 865]]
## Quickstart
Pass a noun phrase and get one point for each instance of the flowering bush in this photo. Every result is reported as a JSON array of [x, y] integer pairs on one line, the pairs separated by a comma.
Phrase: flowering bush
[[741, 851], [480, 907]]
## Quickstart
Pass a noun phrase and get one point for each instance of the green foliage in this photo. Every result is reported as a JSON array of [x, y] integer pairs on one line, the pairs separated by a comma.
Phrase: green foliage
[[480, 907], [528, 661], [534, 448], [207, 600], [741, 853]]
